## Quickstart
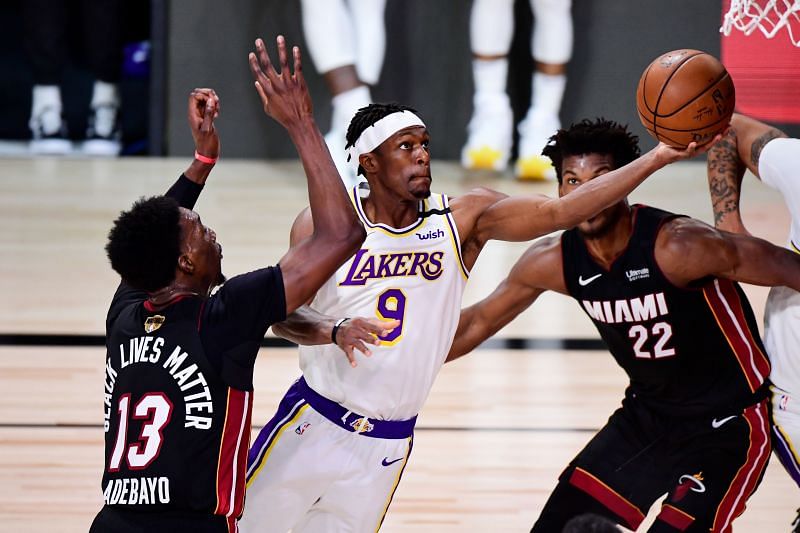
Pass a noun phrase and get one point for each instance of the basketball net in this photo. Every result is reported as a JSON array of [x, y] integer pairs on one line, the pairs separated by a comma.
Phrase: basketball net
[[768, 16]]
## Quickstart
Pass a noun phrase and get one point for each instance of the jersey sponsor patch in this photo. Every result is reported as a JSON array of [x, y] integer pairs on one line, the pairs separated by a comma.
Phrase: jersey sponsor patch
[[432, 234], [633, 275], [154, 322]]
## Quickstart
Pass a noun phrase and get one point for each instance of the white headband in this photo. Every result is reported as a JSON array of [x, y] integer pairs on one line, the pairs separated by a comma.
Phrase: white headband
[[373, 136]]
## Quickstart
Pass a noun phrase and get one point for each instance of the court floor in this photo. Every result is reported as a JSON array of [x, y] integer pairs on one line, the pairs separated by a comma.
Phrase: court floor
[[499, 426]]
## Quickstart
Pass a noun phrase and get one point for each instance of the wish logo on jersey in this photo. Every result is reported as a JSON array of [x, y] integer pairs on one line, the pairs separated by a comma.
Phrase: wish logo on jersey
[[368, 266]]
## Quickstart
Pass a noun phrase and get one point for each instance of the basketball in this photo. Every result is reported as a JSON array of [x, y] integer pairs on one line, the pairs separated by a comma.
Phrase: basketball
[[685, 96]]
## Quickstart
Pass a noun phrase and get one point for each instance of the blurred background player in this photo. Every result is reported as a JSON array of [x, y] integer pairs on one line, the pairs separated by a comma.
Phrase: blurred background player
[[46, 42], [490, 130], [346, 41], [774, 159]]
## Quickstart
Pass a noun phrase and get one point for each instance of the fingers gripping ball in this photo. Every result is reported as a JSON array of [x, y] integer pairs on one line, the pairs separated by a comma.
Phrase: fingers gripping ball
[[685, 96]]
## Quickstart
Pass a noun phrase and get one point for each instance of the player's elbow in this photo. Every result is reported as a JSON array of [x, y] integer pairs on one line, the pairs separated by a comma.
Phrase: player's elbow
[[345, 240]]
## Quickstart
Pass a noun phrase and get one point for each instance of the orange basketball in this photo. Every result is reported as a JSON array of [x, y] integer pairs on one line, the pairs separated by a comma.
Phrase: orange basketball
[[685, 96]]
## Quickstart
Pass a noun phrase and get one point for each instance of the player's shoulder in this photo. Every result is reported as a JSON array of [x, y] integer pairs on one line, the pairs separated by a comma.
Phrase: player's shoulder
[[477, 197], [545, 252], [684, 238]]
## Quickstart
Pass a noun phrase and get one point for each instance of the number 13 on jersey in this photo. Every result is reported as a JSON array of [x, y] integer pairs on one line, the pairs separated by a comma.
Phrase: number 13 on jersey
[[391, 306]]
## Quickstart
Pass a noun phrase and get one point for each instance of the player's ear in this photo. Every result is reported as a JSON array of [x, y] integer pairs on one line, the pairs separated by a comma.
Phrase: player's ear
[[185, 263], [369, 162]]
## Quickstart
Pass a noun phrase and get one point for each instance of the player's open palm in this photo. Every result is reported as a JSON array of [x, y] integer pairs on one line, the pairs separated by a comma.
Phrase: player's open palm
[[358, 333], [284, 94]]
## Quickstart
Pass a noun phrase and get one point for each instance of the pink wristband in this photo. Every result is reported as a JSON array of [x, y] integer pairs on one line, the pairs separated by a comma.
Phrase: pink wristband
[[204, 159]]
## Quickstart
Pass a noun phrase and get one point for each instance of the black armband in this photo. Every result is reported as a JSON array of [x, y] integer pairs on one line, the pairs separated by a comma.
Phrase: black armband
[[336, 327]]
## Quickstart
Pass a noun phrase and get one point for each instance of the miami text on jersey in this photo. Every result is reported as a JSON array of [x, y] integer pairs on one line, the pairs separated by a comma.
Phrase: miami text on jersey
[[367, 266], [637, 309], [191, 381]]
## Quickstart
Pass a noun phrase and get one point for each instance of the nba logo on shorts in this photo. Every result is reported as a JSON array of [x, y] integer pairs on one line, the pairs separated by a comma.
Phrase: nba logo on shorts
[[302, 428], [783, 402]]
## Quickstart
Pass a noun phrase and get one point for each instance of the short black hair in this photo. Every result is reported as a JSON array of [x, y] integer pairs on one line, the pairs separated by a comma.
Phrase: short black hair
[[600, 136], [145, 242], [369, 115]]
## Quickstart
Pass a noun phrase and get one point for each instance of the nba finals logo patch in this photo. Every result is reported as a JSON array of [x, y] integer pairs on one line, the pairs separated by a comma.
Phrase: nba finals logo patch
[[153, 323], [361, 425], [302, 428]]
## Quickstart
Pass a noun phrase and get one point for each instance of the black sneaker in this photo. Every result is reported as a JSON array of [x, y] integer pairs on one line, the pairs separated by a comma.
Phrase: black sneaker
[[103, 135], [49, 133]]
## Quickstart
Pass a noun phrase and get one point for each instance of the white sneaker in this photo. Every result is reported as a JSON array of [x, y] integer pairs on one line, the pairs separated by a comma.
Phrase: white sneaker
[[49, 133], [336, 141], [534, 132], [103, 134], [489, 134]]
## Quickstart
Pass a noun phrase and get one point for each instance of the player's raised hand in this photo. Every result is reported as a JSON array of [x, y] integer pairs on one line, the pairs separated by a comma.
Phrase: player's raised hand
[[671, 154], [283, 93], [357, 333], [203, 110]]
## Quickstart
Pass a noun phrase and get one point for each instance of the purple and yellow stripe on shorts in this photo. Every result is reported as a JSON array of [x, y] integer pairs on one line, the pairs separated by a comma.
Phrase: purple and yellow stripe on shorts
[[289, 411]]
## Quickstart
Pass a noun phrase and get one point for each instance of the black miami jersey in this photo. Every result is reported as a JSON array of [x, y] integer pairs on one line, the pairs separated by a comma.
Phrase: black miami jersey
[[687, 351], [168, 414]]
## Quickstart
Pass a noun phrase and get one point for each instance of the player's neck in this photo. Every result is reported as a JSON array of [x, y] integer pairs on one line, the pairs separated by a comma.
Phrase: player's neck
[[394, 212], [607, 245], [165, 296]]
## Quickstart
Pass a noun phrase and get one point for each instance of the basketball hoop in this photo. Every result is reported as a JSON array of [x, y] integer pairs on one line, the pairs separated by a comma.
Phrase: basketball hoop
[[768, 16]]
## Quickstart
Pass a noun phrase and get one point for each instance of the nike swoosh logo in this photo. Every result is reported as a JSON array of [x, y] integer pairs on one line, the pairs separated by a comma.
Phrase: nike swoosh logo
[[584, 282], [718, 423], [386, 461]]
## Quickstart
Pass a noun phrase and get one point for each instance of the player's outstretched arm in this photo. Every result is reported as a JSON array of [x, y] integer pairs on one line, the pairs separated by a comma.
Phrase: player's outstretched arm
[[538, 270], [739, 150], [527, 217], [337, 232], [688, 250], [309, 327]]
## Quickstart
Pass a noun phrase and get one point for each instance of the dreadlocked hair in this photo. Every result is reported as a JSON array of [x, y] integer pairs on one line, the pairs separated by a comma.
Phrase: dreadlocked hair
[[366, 117], [144, 243], [600, 136]]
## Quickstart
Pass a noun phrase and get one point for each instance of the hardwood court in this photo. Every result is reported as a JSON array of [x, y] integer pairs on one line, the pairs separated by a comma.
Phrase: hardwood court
[[498, 428]]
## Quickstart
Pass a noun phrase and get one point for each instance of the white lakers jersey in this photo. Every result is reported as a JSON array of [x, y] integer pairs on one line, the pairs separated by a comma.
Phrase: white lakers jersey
[[413, 274], [778, 168]]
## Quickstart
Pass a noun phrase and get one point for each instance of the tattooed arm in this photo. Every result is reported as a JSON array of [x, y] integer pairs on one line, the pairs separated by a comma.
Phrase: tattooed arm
[[725, 172], [738, 151]]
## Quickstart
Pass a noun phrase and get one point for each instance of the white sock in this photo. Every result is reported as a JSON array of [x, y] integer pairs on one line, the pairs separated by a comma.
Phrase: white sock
[[105, 94], [547, 91], [45, 96], [490, 76], [346, 104]]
